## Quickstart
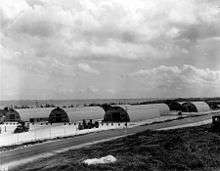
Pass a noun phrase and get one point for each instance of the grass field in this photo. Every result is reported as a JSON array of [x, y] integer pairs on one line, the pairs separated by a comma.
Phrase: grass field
[[193, 148]]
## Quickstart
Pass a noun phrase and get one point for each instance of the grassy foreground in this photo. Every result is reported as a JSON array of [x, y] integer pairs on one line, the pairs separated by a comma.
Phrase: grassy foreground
[[193, 148]]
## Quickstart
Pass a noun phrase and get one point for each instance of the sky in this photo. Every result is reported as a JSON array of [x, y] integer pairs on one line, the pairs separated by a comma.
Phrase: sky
[[79, 49]]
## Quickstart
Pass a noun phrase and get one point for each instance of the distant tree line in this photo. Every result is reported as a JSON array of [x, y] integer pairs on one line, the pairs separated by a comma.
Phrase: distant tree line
[[141, 102]]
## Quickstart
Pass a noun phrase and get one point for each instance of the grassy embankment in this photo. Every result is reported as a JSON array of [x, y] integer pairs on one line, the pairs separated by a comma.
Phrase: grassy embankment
[[193, 148]]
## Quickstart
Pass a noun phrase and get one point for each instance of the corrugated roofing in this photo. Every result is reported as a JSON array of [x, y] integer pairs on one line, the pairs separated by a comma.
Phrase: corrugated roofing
[[74, 114], [143, 112]]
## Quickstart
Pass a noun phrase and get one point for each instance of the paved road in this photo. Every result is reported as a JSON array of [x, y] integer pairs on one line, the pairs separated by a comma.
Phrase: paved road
[[51, 147]]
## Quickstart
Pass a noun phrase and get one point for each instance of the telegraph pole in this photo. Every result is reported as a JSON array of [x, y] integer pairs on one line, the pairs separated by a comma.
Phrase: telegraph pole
[[126, 109]]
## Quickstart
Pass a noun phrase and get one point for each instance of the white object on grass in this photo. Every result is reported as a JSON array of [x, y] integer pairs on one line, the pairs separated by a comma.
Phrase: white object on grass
[[102, 160]]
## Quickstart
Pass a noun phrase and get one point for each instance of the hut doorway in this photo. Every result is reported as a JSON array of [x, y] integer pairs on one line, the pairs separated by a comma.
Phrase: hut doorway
[[116, 116], [58, 115]]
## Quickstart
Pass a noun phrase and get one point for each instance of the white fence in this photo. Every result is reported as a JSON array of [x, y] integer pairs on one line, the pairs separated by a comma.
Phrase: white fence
[[8, 127], [51, 132]]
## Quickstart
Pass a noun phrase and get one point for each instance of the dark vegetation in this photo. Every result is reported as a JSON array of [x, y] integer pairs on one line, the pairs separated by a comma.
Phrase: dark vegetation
[[21, 128], [115, 114], [88, 125], [195, 148]]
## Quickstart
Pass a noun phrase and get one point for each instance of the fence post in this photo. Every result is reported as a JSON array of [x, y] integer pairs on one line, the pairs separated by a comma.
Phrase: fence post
[[17, 138], [64, 130], [35, 137]]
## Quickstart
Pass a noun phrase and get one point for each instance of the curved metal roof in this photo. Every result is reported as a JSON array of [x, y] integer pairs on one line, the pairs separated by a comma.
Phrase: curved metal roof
[[80, 113], [201, 106], [9, 115], [26, 114], [74, 114], [214, 105], [143, 112]]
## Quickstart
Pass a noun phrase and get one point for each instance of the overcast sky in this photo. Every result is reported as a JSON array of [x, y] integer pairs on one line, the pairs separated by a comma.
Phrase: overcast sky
[[67, 49]]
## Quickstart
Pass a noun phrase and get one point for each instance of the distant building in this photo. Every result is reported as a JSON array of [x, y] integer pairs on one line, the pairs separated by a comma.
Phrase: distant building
[[145, 111], [189, 107], [9, 115], [174, 105], [2, 115], [214, 105], [192, 106], [74, 113]]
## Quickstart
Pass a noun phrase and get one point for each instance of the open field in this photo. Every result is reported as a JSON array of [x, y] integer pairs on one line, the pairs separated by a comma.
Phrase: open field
[[181, 149]]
